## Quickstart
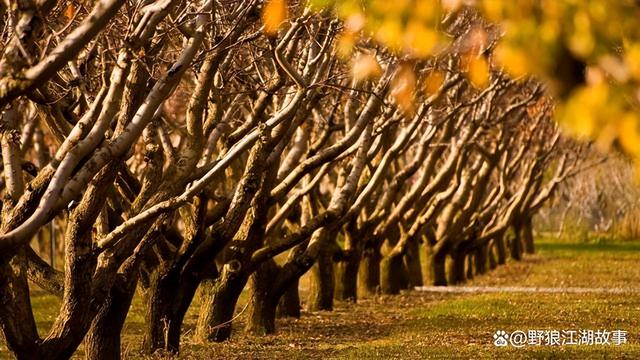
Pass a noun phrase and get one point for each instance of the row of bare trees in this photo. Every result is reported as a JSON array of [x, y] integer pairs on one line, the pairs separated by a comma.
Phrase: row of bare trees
[[600, 202], [178, 149]]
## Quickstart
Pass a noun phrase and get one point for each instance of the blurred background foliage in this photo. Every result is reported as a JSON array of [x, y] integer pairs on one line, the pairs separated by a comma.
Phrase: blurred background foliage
[[587, 51]]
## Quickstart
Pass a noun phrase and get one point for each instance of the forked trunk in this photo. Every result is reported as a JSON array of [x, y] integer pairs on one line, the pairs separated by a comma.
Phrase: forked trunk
[[168, 300], [103, 339], [219, 299]]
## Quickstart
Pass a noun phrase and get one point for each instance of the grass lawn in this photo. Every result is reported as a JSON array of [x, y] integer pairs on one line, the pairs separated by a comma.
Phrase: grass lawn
[[418, 325]]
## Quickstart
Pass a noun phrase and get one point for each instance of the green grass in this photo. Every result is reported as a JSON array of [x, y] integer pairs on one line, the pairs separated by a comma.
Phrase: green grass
[[431, 325]]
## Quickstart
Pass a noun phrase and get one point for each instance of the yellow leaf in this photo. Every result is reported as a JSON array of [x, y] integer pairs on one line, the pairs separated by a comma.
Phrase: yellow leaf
[[390, 33], [478, 72], [582, 113], [420, 39], [365, 67], [433, 82], [424, 10], [582, 43], [389, 8], [273, 14], [632, 59], [514, 61], [403, 87], [628, 134], [606, 136], [493, 9]]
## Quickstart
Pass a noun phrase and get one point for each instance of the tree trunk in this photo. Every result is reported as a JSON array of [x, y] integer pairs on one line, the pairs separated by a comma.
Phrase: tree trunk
[[516, 243], [438, 261], [16, 318], [413, 265], [392, 274], [493, 262], [457, 268], [322, 283], [427, 274], [156, 320], [219, 299], [289, 305], [470, 260], [263, 301], [103, 339], [369, 273], [501, 248], [527, 236], [347, 277], [480, 258], [168, 300]]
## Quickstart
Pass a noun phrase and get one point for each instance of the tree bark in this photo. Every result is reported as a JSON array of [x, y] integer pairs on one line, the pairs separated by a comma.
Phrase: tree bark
[[438, 261], [369, 273], [527, 236], [289, 305], [155, 317], [470, 261], [392, 274], [516, 243], [457, 268], [501, 249], [413, 264], [219, 299], [322, 283], [493, 262], [18, 324], [103, 339], [168, 300], [427, 274], [264, 301], [480, 257], [347, 276]]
